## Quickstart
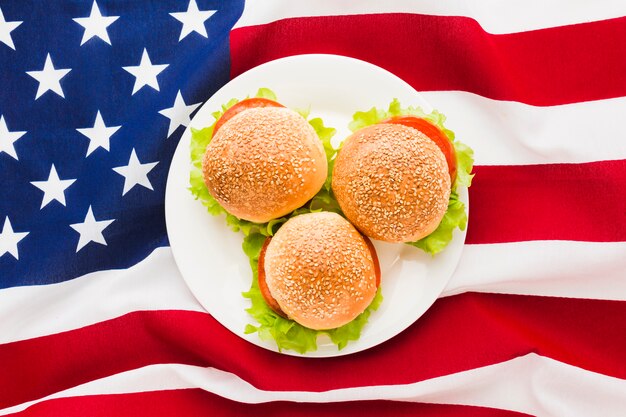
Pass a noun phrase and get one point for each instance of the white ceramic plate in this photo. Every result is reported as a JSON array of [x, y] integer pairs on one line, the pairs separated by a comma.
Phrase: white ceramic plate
[[209, 255]]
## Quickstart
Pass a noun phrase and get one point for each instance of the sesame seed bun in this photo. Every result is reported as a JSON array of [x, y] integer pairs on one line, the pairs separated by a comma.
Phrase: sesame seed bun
[[320, 270], [392, 182], [264, 163]]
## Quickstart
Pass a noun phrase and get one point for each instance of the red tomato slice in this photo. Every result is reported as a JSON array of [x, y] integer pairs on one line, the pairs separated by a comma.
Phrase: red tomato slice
[[246, 104], [434, 133], [265, 291]]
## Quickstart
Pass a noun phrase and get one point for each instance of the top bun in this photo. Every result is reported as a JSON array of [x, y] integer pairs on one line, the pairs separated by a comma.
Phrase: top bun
[[264, 163], [320, 270], [392, 182]]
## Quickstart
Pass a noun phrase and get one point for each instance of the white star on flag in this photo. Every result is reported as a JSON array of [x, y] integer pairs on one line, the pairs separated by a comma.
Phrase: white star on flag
[[145, 73], [5, 31], [193, 20], [179, 114], [49, 78], [95, 24], [9, 239], [90, 230], [99, 135], [53, 188], [135, 173], [7, 138]]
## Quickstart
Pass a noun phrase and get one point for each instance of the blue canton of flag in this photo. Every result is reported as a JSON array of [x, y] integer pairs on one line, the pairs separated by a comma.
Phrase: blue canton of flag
[[91, 111]]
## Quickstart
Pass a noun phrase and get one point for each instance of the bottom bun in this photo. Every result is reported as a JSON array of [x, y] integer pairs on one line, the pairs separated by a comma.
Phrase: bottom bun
[[320, 270]]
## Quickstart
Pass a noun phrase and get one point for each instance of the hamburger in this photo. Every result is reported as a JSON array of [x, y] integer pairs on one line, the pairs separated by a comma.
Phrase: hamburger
[[392, 182], [319, 271], [263, 161]]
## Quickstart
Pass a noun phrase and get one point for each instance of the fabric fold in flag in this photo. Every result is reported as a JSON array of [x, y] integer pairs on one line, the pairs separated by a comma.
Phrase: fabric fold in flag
[[490, 327], [546, 67]]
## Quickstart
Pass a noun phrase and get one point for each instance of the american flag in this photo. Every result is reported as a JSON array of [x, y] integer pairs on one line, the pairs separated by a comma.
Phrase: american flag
[[95, 318]]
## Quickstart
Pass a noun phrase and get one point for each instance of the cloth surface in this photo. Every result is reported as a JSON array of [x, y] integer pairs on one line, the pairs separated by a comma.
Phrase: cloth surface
[[96, 319]]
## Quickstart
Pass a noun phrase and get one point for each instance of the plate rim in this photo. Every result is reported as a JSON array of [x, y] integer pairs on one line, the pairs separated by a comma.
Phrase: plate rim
[[184, 143]]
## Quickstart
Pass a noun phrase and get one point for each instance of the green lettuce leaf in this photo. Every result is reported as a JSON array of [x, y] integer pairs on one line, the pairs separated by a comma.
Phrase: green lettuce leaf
[[456, 216], [324, 199], [266, 93], [464, 163]]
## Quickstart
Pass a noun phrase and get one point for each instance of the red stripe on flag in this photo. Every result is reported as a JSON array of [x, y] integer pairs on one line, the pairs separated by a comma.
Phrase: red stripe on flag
[[547, 202], [194, 402], [458, 333], [542, 67]]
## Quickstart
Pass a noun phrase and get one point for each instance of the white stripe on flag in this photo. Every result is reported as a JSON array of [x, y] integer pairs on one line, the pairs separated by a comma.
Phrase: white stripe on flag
[[512, 133], [529, 384], [152, 284], [493, 15], [550, 268]]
